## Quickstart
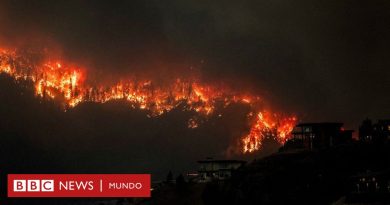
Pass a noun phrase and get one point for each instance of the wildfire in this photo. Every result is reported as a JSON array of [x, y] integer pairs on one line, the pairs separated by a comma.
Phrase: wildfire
[[58, 80], [267, 125]]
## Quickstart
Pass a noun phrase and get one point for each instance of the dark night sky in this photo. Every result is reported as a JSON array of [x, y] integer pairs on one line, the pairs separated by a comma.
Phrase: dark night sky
[[322, 60]]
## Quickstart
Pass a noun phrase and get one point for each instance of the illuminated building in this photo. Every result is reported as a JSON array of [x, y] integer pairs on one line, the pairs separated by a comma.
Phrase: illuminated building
[[217, 169], [378, 132], [319, 135]]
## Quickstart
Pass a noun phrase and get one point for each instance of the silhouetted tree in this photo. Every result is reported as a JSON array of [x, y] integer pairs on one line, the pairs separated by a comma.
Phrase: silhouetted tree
[[181, 184], [169, 177]]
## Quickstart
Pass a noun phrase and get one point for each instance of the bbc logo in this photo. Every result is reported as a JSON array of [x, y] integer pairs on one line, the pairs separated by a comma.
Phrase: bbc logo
[[33, 186]]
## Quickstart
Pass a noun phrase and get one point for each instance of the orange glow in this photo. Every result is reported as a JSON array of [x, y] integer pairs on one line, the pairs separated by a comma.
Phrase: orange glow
[[192, 123], [58, 80], [267, 125]]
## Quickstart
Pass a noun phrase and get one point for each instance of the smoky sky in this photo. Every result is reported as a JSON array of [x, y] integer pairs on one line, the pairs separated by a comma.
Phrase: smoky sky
[[322, 60]]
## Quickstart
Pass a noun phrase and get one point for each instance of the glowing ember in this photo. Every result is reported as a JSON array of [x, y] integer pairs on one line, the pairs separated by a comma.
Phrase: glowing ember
[[192, 123], [57, 80]]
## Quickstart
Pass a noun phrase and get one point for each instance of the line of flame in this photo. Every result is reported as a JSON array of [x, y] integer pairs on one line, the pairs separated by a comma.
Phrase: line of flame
[[56, 80]]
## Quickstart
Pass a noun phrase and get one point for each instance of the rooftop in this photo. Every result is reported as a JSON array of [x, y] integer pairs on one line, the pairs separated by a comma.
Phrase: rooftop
[[222, 161], [320, 124]]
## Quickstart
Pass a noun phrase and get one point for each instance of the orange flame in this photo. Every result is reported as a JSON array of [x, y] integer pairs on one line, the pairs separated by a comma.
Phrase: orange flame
[[57, 80]]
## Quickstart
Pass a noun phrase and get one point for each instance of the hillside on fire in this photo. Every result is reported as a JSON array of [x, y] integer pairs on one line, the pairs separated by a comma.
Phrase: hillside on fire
[[38, 134]]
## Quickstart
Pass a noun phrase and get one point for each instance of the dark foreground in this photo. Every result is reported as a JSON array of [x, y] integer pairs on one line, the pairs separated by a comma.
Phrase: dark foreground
[[291, 177], [297, 177]]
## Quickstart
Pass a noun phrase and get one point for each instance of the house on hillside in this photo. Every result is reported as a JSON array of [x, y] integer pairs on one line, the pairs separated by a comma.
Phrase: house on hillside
[[318, 135], [369, 187], [211, 169], [374, 132]]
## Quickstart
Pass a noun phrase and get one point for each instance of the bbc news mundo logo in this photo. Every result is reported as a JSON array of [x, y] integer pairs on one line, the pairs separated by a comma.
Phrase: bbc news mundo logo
[[79, 185], [33, 185]]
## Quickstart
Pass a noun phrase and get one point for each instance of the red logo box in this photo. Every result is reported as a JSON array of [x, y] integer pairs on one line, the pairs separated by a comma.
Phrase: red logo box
[[79, 185]]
